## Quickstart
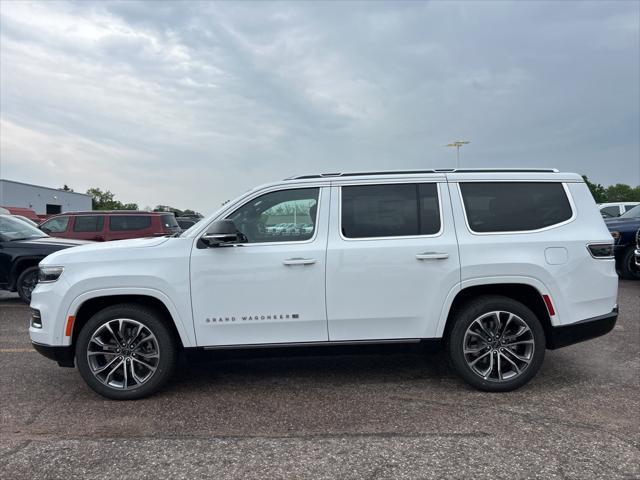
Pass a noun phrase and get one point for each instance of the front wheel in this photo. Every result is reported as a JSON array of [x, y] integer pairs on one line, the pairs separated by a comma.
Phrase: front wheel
[[26, 282], [496, 344], [126, 352]]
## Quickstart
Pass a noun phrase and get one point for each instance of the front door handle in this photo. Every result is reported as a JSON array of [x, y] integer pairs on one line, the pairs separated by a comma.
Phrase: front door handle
[[299, 261], [432, 256]]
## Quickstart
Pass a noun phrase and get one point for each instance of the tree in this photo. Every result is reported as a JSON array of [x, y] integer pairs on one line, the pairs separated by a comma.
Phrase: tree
[[622, 193], [598, 191], [66, 188], [105, 200], [176, 211]]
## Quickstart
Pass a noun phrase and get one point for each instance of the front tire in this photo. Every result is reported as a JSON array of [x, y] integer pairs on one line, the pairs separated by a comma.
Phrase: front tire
[[496, 344], [26, 282], [126, 352]]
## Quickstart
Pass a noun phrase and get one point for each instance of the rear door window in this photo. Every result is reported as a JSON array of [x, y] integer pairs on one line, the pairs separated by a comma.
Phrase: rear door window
[[514, 206], [390, 210], [613, 211], [122, 223], [88, 223]]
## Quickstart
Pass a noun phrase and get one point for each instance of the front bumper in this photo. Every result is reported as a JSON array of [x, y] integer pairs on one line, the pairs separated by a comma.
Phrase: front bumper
[[580, 331], [63, 355]]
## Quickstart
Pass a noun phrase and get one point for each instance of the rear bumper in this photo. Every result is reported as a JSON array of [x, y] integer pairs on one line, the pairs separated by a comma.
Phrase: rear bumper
[[63, 355], [583, 330]]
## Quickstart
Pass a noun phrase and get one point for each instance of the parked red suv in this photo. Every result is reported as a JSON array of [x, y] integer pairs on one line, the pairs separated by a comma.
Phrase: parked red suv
[[110, 225]]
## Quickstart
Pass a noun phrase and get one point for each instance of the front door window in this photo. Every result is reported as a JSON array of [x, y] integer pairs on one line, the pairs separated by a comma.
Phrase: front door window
[[282, 216]]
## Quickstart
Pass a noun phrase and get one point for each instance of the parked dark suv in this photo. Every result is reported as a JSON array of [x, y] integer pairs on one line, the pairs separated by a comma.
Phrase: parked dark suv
[[22, 246], [103, 226], [623, 230]]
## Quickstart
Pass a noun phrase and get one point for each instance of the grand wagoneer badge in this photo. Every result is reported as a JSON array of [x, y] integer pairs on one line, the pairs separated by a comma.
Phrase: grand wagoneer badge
[[252, 318]]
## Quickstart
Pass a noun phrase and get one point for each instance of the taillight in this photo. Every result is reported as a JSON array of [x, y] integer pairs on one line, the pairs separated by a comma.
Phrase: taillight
[[600, 250]]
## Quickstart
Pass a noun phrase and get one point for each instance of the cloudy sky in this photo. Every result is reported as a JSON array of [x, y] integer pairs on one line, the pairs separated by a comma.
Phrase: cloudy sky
[[189, 104]]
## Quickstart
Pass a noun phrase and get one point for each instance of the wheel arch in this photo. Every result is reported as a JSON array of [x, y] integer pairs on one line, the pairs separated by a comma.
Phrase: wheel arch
[[86, 305], [20, 265], [521, 291]]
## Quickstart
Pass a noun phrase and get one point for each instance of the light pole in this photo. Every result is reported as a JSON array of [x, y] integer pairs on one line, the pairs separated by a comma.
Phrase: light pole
[[457, 144]]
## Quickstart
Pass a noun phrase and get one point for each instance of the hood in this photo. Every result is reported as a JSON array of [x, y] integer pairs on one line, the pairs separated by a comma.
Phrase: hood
[[624, 223], [94, 250], [130, 243], [50, 242]]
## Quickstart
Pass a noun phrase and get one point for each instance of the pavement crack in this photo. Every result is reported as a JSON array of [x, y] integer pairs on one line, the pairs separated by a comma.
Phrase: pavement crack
[[308, 437], [12, 451], [38, 412]]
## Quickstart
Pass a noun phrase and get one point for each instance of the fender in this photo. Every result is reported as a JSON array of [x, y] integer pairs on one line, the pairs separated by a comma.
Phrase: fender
[[186, 335], [473, 282]]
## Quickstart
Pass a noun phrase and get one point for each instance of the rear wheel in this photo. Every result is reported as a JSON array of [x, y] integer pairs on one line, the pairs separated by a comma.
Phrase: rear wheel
[[126, 352], [26, 282], [628, 268], [496, 344]]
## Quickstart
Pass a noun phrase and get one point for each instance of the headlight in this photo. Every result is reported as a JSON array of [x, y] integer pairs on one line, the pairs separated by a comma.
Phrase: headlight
[[49, 274]]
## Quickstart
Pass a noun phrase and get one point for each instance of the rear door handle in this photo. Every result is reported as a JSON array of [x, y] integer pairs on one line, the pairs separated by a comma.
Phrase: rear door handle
[[432, 256], [299, 261]]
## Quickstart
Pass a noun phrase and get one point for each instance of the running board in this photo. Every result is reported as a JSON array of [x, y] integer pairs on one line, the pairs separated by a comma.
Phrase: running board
[[317, 344]]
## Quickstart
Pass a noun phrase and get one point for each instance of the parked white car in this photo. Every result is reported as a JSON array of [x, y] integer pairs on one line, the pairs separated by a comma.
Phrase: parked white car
[[497, 265], [615, 209]]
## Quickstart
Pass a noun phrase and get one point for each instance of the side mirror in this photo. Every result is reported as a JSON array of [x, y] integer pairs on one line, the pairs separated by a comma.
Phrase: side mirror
[[222, 233]]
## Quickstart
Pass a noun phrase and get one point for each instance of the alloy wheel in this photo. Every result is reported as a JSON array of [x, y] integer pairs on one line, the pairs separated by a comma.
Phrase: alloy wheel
[[498, 346], [123, 354]]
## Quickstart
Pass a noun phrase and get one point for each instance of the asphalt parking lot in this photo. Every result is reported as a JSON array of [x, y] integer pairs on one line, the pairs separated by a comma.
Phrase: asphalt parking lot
[[399, 415]]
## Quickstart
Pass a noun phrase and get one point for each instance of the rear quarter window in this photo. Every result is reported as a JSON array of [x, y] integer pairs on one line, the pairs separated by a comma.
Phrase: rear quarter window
[[121, 223], [514, 206], [169, 221]]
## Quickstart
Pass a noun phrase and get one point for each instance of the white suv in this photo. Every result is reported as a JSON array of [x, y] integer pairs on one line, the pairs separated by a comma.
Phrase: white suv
[[497, 265]]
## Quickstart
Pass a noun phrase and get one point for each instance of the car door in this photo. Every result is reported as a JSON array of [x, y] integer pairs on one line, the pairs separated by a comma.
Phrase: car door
[[271, 288], [392, 259]]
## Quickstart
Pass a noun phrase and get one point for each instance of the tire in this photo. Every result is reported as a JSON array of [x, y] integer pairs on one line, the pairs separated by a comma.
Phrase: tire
[[26, 282], [126, 352], [628, 268], [492, 361]]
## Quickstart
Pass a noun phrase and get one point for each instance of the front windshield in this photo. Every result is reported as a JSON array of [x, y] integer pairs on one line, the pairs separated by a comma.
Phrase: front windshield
[[633, 213], [14, 229]]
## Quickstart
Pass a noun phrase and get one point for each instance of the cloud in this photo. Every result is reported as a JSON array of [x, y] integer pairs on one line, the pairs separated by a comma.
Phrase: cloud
[[190, 104]]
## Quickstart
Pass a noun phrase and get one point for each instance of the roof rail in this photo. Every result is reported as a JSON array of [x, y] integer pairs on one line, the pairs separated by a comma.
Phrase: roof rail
[[432, 170]]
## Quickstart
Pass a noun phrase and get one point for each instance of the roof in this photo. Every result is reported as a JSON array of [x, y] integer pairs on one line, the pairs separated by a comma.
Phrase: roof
[[113, 212], [46, 188], [432, 170]]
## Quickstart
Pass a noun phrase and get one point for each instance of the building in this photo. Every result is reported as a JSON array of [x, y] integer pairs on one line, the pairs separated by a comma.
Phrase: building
[[42, 200]]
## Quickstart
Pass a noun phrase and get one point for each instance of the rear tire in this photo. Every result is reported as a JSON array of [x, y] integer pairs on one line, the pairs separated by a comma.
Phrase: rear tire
[[628, 268], [496, 344], [26, 282], [126, 352]]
